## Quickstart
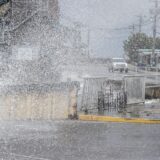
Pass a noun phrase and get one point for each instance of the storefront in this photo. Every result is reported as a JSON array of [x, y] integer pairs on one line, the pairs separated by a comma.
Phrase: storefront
[[145, 56]]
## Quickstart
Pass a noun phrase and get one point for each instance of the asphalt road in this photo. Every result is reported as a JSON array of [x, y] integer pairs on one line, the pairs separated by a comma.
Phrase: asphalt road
[[74, 140]]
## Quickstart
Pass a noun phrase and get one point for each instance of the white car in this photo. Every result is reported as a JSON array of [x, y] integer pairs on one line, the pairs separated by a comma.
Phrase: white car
[[118, 64]]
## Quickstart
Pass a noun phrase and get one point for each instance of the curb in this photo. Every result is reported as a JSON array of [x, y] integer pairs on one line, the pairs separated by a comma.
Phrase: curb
[[117, 119]]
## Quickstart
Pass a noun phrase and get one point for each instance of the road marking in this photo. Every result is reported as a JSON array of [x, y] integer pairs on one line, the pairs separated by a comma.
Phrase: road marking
[[117, 119], [28, 157]]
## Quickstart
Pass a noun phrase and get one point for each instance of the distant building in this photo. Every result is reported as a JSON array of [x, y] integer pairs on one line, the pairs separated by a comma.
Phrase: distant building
[[34, 43], [100, 60], [145, 56]]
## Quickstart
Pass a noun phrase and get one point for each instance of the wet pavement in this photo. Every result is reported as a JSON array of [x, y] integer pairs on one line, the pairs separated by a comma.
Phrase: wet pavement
[[146, 111], [149, 110], [75, 140]]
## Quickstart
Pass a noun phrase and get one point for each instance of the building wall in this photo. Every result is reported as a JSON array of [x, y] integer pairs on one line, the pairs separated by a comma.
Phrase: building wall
[[36, 47], [22, 9], [4, 8]]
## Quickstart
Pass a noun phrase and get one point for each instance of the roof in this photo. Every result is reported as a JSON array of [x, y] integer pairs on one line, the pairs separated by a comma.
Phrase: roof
[[148, 51], [117, 58]]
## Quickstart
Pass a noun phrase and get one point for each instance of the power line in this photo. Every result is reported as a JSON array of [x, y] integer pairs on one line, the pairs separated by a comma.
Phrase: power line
[[93, 28], [117, 29]]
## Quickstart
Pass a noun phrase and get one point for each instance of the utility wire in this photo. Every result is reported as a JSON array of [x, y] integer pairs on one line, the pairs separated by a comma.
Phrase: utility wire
[[145, 23]]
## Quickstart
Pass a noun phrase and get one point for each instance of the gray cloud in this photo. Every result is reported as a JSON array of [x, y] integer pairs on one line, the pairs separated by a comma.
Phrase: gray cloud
[[108, 14]]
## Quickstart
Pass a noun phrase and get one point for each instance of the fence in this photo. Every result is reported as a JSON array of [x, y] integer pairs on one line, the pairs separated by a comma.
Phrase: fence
[[135, 89], [101, 94], [111, 101]]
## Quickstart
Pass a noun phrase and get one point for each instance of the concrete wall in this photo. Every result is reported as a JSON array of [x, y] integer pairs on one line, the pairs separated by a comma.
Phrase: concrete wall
[[152, 93], [58, 104]]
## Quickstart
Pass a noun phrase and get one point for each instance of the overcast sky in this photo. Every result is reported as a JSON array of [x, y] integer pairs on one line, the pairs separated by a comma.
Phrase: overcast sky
[[104, 17]]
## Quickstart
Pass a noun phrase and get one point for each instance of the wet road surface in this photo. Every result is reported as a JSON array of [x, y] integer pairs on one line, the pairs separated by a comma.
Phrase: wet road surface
[[74, 140]]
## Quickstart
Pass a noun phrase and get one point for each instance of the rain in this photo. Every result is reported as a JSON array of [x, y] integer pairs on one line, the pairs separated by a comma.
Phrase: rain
[[79, 79]]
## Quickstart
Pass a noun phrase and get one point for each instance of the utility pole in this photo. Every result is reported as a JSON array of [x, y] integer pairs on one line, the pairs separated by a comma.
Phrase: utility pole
[[89, 32], [140, 23], [155, 12], [132, 27]]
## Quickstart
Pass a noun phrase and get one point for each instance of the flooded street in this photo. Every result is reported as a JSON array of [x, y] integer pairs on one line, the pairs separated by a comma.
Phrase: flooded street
[[74, 140]]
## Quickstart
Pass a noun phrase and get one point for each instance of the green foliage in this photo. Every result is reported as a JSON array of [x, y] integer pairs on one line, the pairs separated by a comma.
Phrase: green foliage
[[138, 41]]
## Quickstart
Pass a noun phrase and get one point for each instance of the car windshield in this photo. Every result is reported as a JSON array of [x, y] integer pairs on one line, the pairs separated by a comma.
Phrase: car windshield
[[118, 60]]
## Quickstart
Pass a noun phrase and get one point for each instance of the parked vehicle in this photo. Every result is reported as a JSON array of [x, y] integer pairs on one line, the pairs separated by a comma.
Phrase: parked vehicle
[[118, 64], [158, 67]]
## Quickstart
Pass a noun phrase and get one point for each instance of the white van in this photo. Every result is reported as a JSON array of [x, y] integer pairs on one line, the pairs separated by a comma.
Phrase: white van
[[118, 64]]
